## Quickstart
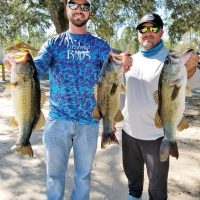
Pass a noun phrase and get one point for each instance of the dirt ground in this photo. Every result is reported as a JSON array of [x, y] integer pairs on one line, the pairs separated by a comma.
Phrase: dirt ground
[[23, 178]]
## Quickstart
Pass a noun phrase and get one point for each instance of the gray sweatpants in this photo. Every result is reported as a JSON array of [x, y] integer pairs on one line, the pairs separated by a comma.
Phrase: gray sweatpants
[[135, 154]]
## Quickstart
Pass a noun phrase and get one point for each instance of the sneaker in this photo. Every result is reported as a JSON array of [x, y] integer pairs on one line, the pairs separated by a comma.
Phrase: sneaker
[[133, 198]]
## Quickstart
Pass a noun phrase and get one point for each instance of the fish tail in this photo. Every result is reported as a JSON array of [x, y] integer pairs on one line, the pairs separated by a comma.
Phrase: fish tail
[[174, 150], [164, 150], [168, 148], [108, 139], [157, 120], [25, 150], [183, 124]]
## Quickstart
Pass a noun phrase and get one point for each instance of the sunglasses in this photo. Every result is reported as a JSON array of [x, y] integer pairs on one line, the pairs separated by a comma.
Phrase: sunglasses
[[75, 6], [152, 29]]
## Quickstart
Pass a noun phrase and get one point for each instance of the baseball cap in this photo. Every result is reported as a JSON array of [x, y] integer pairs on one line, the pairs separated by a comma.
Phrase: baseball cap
[[151, 18], [89, 1]]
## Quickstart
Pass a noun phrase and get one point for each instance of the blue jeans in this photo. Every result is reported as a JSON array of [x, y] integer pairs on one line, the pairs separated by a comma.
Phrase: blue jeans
[[59, 137]]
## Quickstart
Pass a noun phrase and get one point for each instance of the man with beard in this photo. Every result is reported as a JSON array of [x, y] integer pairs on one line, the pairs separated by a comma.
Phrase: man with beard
[[74, 59]]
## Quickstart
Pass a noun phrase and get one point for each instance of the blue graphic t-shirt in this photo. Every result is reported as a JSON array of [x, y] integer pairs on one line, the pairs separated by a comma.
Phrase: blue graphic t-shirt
[[74, 62]]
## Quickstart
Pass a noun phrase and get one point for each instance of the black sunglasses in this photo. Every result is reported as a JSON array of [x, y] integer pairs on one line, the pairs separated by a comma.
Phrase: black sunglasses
[[152, 29], [75, 6]]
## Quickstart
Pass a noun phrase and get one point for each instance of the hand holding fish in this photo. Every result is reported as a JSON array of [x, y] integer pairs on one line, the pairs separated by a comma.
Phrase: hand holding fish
[[126, 60], [7, 61], [191, 64], [15, 58]]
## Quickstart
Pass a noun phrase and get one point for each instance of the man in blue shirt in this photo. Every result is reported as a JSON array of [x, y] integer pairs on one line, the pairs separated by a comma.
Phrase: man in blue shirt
[[74, 59]]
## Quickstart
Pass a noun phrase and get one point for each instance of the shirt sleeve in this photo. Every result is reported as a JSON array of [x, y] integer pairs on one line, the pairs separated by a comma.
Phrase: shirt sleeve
[[43, 59], [193, 82], [104, 51]]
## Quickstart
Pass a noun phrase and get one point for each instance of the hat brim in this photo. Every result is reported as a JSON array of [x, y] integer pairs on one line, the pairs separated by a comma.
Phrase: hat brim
[[139, 25]]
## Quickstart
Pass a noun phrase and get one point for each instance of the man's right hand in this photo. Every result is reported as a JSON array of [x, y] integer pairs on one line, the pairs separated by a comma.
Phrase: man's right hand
[[13, 58], [7, 63]]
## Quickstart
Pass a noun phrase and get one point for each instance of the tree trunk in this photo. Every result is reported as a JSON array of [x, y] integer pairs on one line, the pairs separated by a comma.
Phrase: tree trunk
[[58, 16]]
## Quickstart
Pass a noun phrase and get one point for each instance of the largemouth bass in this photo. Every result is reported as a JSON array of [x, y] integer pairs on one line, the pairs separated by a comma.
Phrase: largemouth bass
[[26, 96], [108, 91], [171, 102]]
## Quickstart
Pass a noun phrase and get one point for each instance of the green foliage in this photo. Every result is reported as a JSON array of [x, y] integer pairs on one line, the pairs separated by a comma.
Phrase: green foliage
[[118, 13], [115, 15], [127, 41], [185, 16], [29, 19], [189, 40], [20, 17]]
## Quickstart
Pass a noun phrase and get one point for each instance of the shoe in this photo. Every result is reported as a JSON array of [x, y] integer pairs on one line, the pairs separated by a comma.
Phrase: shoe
[[133, 198]]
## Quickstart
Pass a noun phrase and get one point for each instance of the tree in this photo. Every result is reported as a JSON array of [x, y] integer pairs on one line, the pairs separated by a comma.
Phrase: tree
[[33, 17], [21, 16], [184, 17], [117, 13], [127, 41], [57, 11]]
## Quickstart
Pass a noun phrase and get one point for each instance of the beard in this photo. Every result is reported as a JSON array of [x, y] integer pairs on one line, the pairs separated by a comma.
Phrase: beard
[[78, 22], [148, 43]]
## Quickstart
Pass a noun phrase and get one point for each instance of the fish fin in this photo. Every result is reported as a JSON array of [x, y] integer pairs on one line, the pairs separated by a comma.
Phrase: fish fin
[[119, 117], [168, 148], [174, 150], [108, 139], [43, 99], [40, 123], [188, 91], [175, 92], [123, 89], [25, 150], [183, 124], [96, 113], [13, 123], [117, 56], [157, 120], [113, 89], [155, 96], [164, 150]]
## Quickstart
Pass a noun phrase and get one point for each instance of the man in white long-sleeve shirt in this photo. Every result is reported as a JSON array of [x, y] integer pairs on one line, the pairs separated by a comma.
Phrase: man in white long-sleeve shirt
[[140, 138]]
